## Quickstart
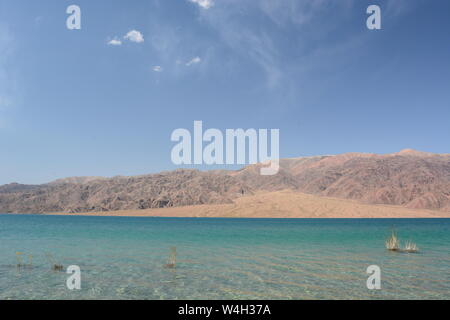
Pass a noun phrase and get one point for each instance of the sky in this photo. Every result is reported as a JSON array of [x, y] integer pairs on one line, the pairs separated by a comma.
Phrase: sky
[[104, 100]]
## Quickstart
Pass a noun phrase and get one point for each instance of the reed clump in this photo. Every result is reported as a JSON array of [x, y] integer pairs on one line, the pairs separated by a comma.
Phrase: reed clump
[[410, 247], [57, 267], [21, 264], [54, 266], [393, 243], [172, 261]]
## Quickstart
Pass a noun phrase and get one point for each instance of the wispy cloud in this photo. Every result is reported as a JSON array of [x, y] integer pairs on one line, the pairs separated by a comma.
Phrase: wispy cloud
[[399, 7], [157, 69], [115, 42], [265, 44], [193, 61], [237, 32], [205, 4], [134, 36], [273, 35]]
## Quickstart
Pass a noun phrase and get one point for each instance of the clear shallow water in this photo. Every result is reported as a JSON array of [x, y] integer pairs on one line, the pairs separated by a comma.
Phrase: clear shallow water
[[123, 258]]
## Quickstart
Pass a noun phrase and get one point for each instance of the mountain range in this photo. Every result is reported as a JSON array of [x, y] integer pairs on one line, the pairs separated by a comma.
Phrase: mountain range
[[412, 179]]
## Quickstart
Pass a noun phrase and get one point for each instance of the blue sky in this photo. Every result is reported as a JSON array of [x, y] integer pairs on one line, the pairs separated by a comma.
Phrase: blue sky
[[73, 104]]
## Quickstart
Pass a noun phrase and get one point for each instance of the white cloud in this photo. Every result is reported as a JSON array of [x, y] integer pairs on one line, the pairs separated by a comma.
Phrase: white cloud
[[115, 42], [194, 61], [205, 4], [134, 36], [157, 69]]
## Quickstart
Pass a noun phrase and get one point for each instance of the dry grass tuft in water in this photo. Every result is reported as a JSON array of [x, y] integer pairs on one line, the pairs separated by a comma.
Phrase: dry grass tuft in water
[[172, 261], [410, 247], [393, 243], [55, 266], [20, 264]]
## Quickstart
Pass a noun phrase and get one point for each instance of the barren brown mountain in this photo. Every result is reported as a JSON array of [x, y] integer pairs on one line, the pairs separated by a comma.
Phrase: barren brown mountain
[[412, 179]]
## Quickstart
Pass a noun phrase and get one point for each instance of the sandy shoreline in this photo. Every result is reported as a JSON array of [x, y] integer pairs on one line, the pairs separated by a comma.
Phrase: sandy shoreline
[[280, 204]]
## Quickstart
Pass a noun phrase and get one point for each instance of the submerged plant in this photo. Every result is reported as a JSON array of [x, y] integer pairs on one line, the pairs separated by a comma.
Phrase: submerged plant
[[410, 247], [393, 243], [20, 263], [19, 259], [172, 261], [54, 266], [57, 267]]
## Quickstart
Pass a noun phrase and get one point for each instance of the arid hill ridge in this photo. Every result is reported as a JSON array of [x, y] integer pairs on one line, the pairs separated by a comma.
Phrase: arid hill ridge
[[413, 179]]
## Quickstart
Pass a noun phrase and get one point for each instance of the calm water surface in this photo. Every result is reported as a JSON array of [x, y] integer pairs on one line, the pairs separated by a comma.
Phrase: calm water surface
[[123, 258]]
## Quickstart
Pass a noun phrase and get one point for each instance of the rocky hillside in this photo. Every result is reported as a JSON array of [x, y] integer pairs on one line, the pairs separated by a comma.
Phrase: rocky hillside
[[409, 178]]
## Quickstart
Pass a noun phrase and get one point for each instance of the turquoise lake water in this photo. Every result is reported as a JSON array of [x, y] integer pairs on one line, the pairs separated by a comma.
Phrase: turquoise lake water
[[123, 258]]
